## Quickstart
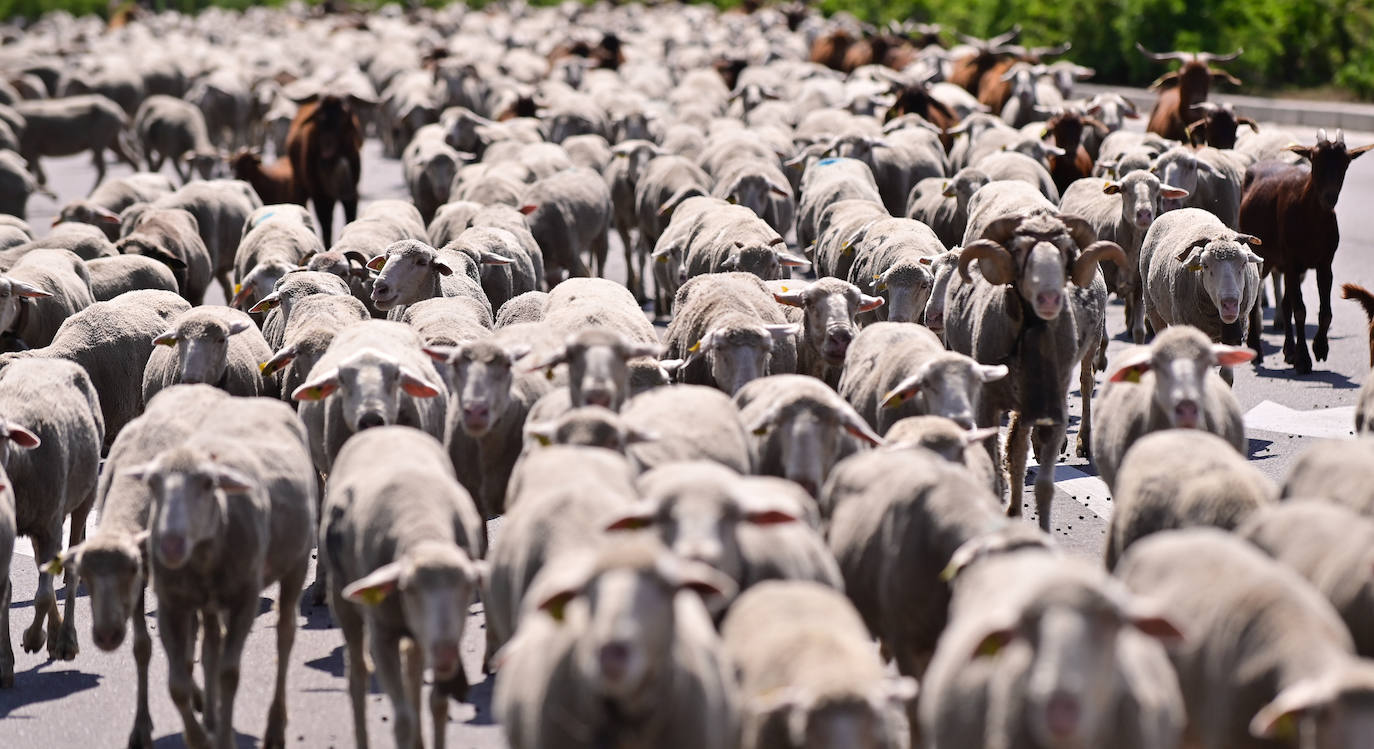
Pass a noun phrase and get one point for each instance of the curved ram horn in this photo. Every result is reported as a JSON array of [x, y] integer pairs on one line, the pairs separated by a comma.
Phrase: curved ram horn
[[1085, 267], [995, 262]]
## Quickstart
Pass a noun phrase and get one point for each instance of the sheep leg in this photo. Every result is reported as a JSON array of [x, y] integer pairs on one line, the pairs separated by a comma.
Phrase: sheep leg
[[601, 247], [211, 649], [1280, 323], [438, 710], [141, 737], [177, 630], [643, 255], [239, 624], [413, 669], [1295, 340], [631, 282], [62, 641], [123, 154], [1048, 440], [1320, 347], [1018, 437], [386, 657], [98, 161], [1135, 312], [6, 647], [183, 171], [37, 169], [1085, 423], [1252, 336], [45, 547], [288, 598], [355, 663], [324, 211]]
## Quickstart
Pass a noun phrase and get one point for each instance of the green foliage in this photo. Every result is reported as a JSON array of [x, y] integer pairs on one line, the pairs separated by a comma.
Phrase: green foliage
[[1288, 43]]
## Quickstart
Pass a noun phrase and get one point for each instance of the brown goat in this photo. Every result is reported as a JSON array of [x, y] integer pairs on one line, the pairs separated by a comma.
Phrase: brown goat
[[1360, 294], [994, 87], [1179, 90], [1292, 209], [1066, 127], [968, 70], [324, 145], [274, 183], [1218, 125], [830, 49]]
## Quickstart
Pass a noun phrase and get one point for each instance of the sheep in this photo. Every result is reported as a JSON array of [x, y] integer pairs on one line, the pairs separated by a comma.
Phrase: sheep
[[172, 236], [827, 181], [169, 127], [216, 346], [402, 541], [17, 185], [588, 426], [83, 240], [110, 562], [1167, 385], [898, 160], [103, 206], [1328, 544], [1198, 272], [411, 271], [293, 287], [843, 229], [50, 452], [1013, 165], [216, 563], [69, 125], [112, 276], [378, 376], [429, 166], [942, 269], [1183, 88], [671, 243], [221, 208], [569, 213], [945, 437], [1122, 211], [307, 336], [112, 341], [381, 224], [808, 672], [1212, 178], [39, 293], [269, 250], [1180, 478], [900, 369], [1047, 651], [559, 504], [1292, 209], [631, 604], [897, 519], [686, 422], [1043, 326], [598, 361], [801, 428], [827, 310], [761, 187], [666, 183], [501, 281], [1365, 299], [523, 308], [751, 528], [942, 203], [1340, 470], [893, 263], [733, 238], [448, 321], [488, 407], [622, 175], [1266, 654], [728, 330]]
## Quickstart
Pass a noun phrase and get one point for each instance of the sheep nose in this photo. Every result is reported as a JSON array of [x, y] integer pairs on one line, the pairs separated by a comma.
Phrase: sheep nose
[[1186, 415], [371, 419], [614, 659], [445, 659], [1143, 217], [171, 551], [380, 288], [1048, 302], [598, 397], [107, 638], [1230, 310], [1062, 714]]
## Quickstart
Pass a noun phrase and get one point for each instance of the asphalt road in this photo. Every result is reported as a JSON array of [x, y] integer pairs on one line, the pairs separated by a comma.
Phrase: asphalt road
[[89, 701]]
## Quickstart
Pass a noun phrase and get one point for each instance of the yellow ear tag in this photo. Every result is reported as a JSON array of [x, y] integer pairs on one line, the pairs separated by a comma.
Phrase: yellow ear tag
[[556, 609], [880, 287], [760, 431], [315, 393], [697, 346], [1195, 267], [661, 259], [1132, 375], [169, 342], [548, 373], [371, 596], [847, 248], [237, 288], [894, 400], [1286, 727], [948, 572], [543, 440], [263, 367], [54, 567], [988, 647]]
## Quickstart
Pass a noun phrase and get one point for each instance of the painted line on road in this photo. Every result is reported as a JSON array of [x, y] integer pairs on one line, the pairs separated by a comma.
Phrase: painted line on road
[[24, 548], [1327, 423], [1084, 488]]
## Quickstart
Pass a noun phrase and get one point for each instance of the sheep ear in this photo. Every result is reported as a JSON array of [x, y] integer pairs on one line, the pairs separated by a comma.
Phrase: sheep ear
[[991, 372], [541, 432], [240, 326], [1112, 188], [373, 588], [443, 354], [491, 258], [417, 386], [993, 642], [318, 388], [792, 261], [444, 268], [377, 263], [1171, 192], [761, 514], [854, 424], [278, 361], [700, 578], [1279, 719], [782, 330], [1132, 365], [241, 294], [266, 303], [69, 559], [790, 296], [974, 436], [904, 390], [167, 338], [638, 516], [232, 481], [21, 437], [867, 303], [1231, 356], [900, 690]]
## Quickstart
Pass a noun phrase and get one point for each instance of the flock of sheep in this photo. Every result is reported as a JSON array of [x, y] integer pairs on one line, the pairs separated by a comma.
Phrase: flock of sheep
[[785, 520]]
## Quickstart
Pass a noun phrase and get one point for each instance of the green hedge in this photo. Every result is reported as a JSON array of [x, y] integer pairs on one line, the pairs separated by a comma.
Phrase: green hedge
[[1288, 43]]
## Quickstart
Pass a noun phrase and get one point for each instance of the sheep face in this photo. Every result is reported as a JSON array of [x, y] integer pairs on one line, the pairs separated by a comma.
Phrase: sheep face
[[409, 274], [909, 291], [480, 379], [1224, 268], [202, 345], [371, 385], [190, 492], [828, 310]]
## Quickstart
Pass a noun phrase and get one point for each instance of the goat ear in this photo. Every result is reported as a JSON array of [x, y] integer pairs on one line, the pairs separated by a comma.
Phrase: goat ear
[[1354, 153], [1304, 151], [374, 587]]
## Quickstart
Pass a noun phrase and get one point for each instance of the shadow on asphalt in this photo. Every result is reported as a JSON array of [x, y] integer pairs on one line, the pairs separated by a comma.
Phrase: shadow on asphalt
[[174, 741], [36, 685], [61, 598], [479, 696]]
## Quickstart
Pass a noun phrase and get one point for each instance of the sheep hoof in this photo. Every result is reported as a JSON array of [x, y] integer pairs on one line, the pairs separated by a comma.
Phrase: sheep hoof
[[64, 646], [1320, 349], [7, 676], [1303, 365], [1084, 450], [34, 637], [142, 735]]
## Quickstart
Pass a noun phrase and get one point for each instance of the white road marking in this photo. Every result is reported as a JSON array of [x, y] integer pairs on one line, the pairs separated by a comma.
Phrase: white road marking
[[1327, 423], [22, 545], [1084, 488]]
